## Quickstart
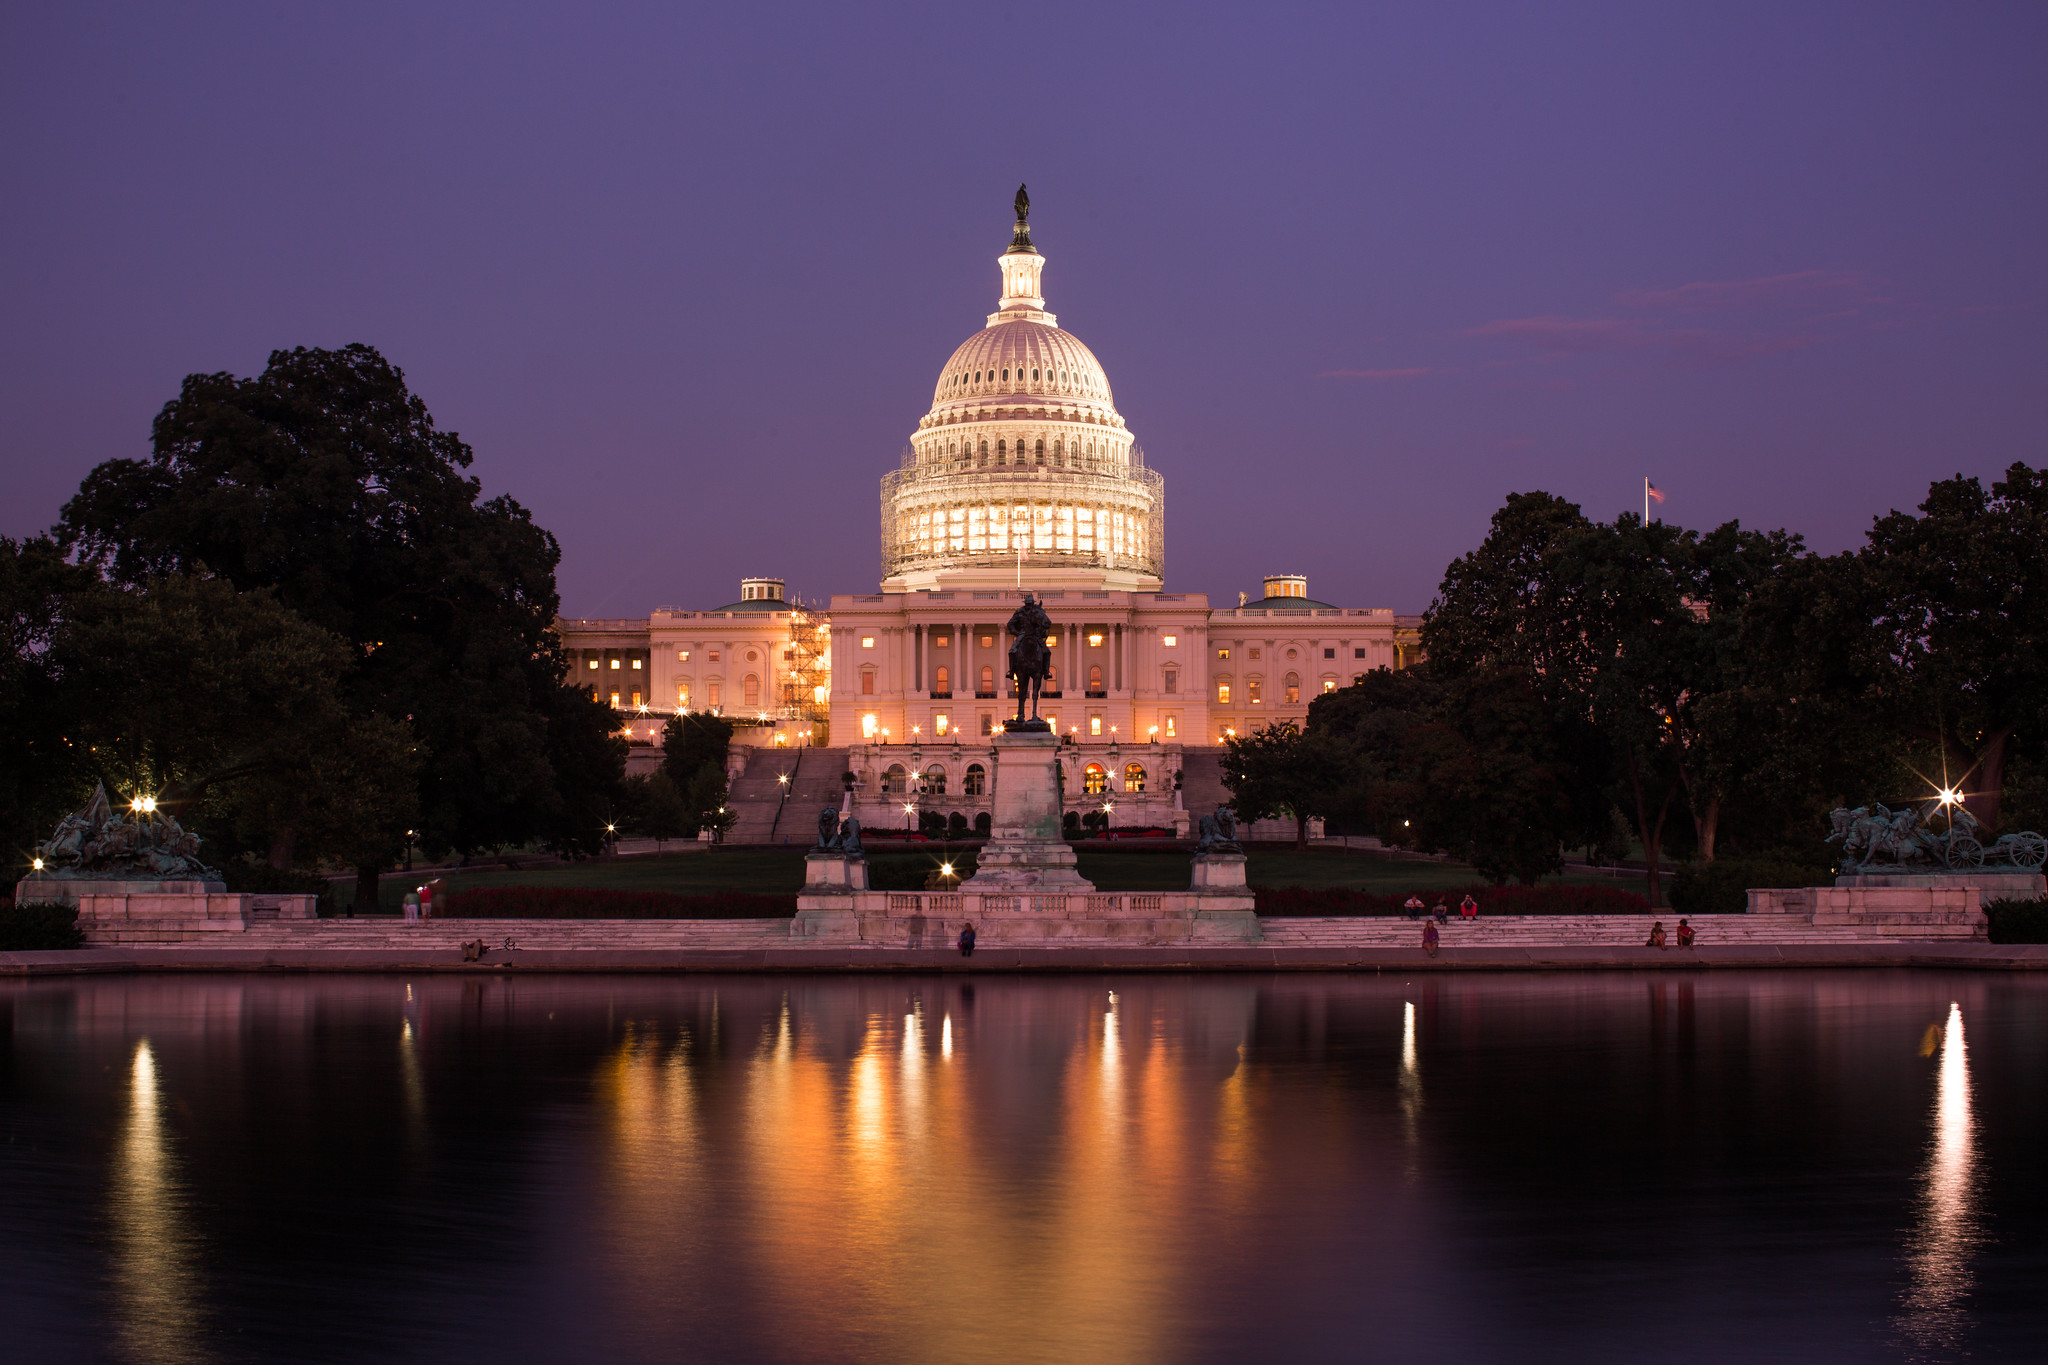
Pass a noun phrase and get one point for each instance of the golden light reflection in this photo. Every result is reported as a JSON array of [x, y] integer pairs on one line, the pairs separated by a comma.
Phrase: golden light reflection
[[156, 1282], [1945, 1234], [414, 1084], [1411, 1076]]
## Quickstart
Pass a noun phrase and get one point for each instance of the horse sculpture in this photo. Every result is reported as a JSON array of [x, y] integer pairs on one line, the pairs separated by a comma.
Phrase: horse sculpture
[[1030, 660], [1873, 836]]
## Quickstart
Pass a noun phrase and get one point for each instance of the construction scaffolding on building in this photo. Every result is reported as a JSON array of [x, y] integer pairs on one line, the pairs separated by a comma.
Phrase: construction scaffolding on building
[[807, 673]]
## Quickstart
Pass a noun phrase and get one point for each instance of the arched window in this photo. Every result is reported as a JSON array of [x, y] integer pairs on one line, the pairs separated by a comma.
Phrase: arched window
[[935, 780], [940, 677], [867, 681], [750, 691], [1134, 777], [894, 780], [711, 694], [975, 782], [988, 681], [1095, 678], [1034, 374], [1094, 781], [1040, 452], [981, 823], [1293, 688]]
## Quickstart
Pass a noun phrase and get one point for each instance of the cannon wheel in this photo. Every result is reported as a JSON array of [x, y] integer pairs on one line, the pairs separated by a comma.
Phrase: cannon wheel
[[2029, 850], [1964, 851]]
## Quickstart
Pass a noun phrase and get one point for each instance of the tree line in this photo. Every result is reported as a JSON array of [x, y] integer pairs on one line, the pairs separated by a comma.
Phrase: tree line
[[1633, 687], [301, 625]]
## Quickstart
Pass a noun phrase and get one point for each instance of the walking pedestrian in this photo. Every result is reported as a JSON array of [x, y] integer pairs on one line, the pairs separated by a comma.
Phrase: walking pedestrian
[[1468, 907], [967, 940], [1413, 906], [1430, 937], [1685, 934]]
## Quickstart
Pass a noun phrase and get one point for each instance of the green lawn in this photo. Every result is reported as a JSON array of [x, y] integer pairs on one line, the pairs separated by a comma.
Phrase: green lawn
[[781, 870]]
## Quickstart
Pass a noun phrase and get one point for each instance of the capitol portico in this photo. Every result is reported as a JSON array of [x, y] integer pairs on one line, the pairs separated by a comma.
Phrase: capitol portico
[[1022, 477]]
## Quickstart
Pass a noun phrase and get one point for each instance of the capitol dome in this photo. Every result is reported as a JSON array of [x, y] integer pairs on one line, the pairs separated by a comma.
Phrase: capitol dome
[[1023, 461]]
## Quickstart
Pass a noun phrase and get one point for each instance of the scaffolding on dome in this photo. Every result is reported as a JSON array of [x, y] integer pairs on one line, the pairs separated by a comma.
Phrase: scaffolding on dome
[[1105, 515], [807, 681]]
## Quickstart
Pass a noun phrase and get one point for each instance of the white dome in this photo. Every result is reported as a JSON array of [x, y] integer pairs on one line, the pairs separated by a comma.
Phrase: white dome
[[1023, 462], [1024, 363]]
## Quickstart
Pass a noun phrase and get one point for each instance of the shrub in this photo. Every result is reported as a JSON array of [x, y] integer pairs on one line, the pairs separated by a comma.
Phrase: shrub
[[1493, 900], [580, 902], [2017, 921], [1722, 886], [261, 879], [39, 926]]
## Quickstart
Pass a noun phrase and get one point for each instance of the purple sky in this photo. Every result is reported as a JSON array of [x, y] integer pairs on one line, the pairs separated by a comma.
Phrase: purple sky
[[684, 275]]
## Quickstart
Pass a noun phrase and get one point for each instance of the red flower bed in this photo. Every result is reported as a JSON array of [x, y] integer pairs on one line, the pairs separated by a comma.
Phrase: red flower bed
[[1493, 900], [577, 902]]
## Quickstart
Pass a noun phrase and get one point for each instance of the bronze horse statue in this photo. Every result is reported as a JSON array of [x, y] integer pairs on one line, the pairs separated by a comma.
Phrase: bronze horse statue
[[1030, 659]]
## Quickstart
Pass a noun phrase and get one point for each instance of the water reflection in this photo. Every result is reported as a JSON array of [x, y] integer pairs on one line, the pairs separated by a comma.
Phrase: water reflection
[[156, 1287], [1946, 1233]]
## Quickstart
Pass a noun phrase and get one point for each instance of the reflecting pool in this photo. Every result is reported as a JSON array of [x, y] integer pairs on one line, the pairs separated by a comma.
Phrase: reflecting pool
[[1725, 1166]]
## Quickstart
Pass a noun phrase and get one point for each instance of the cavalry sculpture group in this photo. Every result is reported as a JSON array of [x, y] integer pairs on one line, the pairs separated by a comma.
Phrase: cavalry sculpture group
[[1873, 837]]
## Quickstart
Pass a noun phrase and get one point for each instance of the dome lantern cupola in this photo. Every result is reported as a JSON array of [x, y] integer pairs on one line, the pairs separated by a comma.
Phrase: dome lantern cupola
[[1023, 294]]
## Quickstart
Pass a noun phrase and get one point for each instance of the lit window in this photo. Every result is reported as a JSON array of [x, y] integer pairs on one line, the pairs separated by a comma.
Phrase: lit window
[[636, 696], [988, 680], [867, 642], [1255, 651], [868, 725], [1329, 684], [1134, 777], [988, 642], [1172, 722], [1293, 689], [615, 663], [1223, 651], [1094, 640], [682, 697], [940, 679], [1223, 694], [593, 663], [940, 723], [636, 665], [1251, 692], [682, 656], [1169, 640], [1094, 781], [713, 656], [615, 701], [1094, 725]]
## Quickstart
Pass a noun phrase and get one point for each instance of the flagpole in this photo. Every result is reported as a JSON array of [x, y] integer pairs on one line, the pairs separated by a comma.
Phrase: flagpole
[[1646, 499]]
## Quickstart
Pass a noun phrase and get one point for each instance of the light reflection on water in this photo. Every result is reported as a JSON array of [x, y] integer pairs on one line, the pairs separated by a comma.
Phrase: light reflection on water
[[156, 1286], [1946, 1232], [938, 1169]]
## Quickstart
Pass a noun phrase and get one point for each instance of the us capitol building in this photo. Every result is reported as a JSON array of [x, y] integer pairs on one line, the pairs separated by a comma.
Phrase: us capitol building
[[1022, 476]]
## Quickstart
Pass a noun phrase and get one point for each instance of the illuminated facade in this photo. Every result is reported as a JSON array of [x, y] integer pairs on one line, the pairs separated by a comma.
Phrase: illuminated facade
[[1022, 476]]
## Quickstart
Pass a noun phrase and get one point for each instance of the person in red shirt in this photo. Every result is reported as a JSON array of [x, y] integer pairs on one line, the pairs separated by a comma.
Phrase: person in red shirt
[[1468, 907], [1684, 934]]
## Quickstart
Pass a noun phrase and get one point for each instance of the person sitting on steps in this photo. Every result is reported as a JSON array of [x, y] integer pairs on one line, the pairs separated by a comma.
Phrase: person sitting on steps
[[1656, 935]]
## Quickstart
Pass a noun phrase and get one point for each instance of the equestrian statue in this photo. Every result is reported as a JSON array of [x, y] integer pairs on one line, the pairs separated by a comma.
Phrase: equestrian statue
[[1030, 661]]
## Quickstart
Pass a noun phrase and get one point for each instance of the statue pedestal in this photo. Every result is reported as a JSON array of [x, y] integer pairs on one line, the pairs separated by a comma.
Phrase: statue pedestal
[[1222, 872], [1992, 883], [1026, 850], [142, 913], [829, 873]]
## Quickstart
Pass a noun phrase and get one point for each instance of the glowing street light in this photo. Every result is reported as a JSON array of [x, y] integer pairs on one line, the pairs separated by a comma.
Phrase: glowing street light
[[143, 805]]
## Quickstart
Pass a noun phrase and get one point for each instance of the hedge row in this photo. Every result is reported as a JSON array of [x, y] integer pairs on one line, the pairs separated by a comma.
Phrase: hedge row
[[2017, 921], [1493, 900], [572, 902], [39, 926]]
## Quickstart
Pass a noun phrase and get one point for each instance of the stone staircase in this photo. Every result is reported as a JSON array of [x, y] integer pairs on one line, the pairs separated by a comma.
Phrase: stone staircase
[[755, 796], [1550, 931]]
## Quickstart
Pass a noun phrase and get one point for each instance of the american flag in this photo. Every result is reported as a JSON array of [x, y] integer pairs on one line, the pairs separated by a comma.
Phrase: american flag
[[1651, 490]]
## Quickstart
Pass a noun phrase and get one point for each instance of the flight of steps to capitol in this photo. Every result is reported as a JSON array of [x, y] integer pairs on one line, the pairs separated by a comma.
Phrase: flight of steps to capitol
[[1550, 931]]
